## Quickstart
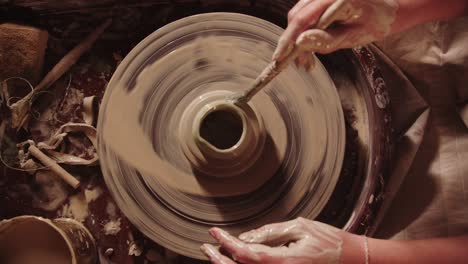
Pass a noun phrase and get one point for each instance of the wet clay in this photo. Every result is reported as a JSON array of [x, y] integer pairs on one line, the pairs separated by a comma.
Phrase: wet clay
[[33, 242], [142, 147]]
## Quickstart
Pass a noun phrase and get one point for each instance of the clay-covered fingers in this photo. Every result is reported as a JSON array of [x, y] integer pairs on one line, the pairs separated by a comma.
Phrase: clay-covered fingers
[[325, 41], [249, 253], [214, 255], [305, 59], [239, 250], [275, 234], [308, 242], [301, 18]]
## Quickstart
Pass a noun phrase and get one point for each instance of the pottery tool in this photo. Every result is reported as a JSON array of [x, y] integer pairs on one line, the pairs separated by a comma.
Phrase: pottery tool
[[52, 165], [336, 12]]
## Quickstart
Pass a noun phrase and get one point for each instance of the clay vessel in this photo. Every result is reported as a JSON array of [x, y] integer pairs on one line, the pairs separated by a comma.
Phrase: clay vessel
[[32, 240]]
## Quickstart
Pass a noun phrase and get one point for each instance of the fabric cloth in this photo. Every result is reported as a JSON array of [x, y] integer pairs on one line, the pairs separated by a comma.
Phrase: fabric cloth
[[430, 111]]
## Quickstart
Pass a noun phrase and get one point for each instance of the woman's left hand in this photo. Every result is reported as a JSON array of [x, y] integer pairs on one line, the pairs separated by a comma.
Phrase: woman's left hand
[[293, 242]]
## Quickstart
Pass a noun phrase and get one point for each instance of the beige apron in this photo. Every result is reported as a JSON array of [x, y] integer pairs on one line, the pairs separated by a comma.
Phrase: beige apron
[[432, 199]]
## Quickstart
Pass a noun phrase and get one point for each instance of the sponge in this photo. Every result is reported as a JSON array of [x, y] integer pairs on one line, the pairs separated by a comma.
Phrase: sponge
[[22, 50]]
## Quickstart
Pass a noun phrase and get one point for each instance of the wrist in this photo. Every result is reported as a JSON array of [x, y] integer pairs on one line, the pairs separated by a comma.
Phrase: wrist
[[354, 250], [362, 250], [390, 251]]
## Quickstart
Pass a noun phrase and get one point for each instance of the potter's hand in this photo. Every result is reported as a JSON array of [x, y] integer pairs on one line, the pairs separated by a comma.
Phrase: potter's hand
[[297, 241], [366, 21]]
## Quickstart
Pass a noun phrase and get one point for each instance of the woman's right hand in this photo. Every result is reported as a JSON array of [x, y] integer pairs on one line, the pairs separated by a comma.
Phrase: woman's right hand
[[363, 22]]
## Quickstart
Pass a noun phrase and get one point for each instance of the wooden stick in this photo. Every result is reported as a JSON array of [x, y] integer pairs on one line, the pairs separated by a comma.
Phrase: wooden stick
[[53, 166], [72, 56]]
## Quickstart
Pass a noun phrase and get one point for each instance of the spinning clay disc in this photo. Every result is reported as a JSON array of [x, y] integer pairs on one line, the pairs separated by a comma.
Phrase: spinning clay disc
[[179, 158]]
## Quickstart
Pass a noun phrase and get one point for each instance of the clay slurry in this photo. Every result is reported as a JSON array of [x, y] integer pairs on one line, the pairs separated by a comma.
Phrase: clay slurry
[[222, 129]]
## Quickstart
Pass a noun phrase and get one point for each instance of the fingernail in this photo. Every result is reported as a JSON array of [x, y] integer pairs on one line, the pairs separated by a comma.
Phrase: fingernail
[[222, 233], [213, 232], [280, 49], [247, 237], [276, 54], [303, 61], [203, 248], [243, 236], [218, 233], [208, 251], [312, 63]]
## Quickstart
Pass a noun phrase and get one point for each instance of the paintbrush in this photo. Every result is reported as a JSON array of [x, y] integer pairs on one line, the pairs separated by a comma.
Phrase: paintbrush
[[336, 12]]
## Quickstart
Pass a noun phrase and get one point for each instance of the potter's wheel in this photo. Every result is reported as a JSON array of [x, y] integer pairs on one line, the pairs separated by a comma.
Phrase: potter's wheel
[[173, 181]]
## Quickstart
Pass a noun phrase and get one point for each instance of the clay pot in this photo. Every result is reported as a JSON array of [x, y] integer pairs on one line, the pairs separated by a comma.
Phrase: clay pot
[[31, 239], [220, 132]]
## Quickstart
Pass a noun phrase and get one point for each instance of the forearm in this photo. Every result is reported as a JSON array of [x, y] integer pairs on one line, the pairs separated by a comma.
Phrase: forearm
[[447, 250], [414, 12]]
